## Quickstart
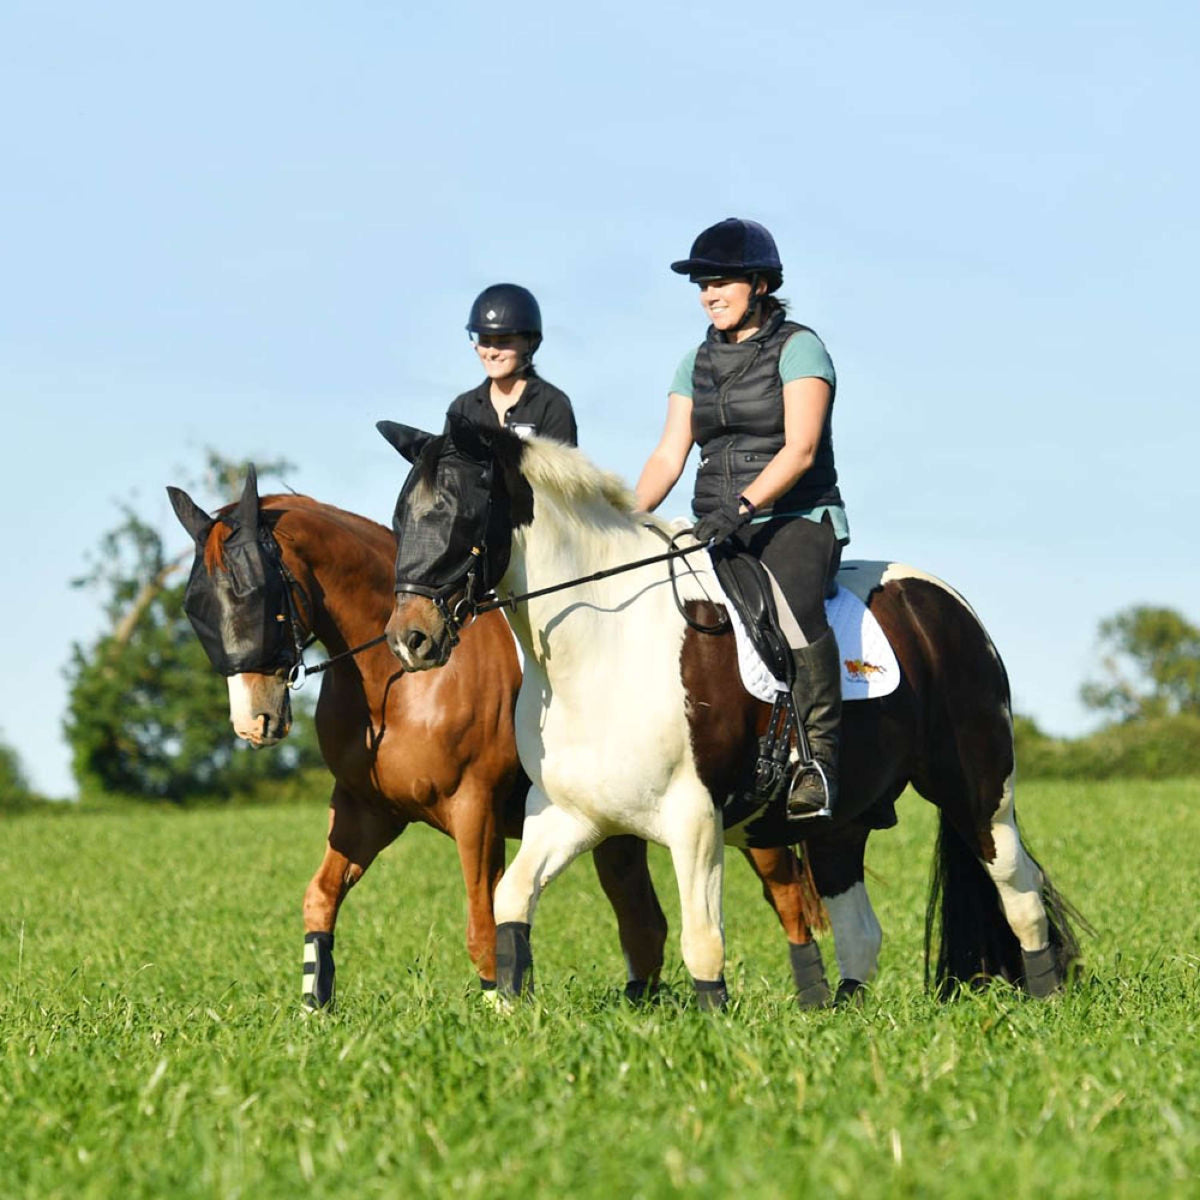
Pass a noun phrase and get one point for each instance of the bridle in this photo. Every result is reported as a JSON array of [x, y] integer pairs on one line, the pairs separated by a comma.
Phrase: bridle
[[299, 671]]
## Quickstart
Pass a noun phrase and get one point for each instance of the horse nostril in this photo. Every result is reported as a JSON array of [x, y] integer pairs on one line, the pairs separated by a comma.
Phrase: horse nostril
[[415, 639]]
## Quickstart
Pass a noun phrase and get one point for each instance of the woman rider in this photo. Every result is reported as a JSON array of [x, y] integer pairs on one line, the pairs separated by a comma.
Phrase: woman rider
[[506, 326], [757, 396]]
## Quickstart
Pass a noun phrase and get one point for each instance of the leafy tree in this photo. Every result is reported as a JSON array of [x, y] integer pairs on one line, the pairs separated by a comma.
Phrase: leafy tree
[[147, 714], [1151, 665], [15, 791]]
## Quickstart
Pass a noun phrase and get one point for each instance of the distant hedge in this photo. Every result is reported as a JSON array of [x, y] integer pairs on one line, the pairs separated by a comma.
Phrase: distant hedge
[[1155, 748]]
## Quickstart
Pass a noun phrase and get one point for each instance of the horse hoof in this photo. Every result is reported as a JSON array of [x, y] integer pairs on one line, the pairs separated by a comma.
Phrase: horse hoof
[[498, 1002], [1042, 979], [641, 991], [711, 995], [850, 992], [514, 959]]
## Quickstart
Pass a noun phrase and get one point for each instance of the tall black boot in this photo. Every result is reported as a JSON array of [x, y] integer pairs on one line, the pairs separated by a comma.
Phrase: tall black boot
[[818, 696]]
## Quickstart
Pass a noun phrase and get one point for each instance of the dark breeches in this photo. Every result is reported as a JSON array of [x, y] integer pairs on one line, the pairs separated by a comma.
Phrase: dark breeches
[[804, 556]]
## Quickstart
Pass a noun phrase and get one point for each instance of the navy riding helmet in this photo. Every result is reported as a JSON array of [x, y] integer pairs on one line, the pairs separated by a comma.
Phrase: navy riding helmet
[[733, 247], [505, 308]]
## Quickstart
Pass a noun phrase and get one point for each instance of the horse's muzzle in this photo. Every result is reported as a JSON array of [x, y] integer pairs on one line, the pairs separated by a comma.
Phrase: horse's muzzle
[[260, 708], [417, 633]]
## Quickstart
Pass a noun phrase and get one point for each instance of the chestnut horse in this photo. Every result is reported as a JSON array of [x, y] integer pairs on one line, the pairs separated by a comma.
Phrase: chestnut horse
[[632, 720], [271, 575]]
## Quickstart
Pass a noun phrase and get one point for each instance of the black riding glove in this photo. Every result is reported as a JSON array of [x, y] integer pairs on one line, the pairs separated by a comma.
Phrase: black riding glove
[[721, 523]]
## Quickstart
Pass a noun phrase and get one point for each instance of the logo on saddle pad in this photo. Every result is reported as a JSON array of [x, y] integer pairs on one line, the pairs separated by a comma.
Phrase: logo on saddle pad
[[858, 668]]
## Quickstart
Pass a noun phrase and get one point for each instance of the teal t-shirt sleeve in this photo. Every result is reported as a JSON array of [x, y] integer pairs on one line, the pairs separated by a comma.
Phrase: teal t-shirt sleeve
[[682, 383], [805, 357]]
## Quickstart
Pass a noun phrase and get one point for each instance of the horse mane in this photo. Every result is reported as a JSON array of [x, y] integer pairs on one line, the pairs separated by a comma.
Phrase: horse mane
[[568, 474], [359, 527]]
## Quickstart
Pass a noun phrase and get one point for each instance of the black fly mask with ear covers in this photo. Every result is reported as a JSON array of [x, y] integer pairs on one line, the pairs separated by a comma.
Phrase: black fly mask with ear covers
[[452, 542], [243, 612]]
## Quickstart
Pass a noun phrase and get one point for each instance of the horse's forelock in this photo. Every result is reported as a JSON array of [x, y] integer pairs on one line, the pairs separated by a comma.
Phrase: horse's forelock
[[214, 547]]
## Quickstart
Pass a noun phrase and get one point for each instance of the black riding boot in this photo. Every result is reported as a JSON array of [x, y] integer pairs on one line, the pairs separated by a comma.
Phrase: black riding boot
[[818, 696]]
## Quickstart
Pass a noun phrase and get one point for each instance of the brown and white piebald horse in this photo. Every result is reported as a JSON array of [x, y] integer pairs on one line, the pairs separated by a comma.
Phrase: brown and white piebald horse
[[269, 576], [630, 721]]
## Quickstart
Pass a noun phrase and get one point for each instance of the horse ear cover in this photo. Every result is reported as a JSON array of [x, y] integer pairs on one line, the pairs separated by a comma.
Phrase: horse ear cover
[[247, 509], [404, 439], [191, 516], [473, 439]]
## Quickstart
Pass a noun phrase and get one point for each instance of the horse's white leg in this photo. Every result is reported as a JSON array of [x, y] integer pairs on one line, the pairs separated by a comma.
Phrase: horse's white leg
[[698, 853], [1017, 878], [551, 840], [857, 938]]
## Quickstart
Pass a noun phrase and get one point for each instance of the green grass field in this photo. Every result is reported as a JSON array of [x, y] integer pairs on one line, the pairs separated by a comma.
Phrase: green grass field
[[152, 1042]]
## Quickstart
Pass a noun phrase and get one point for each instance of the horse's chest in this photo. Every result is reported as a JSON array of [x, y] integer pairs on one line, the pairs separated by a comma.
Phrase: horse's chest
[[599, 750]]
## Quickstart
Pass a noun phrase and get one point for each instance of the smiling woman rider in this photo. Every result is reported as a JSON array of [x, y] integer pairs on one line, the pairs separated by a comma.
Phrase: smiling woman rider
[[757, 397], [506, 326]]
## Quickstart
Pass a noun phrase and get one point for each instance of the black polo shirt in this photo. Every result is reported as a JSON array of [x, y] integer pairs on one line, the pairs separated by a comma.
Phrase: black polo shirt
[[542, 409]]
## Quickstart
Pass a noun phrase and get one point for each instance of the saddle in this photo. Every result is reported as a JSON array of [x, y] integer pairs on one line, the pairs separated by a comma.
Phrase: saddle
[[748, 588]]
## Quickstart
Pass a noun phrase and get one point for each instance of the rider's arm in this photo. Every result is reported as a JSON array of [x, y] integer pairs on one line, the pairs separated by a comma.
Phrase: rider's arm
[[665, 465], [805, 403]]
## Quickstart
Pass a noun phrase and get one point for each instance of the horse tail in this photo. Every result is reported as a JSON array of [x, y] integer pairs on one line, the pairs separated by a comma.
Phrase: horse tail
[[967, 937], [816, 915]]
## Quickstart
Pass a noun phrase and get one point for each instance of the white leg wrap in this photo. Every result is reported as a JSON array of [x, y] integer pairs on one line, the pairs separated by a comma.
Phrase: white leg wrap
[[857, 935]]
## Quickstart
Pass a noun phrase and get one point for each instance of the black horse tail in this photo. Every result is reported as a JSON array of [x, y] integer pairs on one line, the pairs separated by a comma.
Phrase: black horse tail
[[965, 927]]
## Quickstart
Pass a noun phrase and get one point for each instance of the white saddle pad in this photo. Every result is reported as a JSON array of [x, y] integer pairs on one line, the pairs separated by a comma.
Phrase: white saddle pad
[[869, 667]]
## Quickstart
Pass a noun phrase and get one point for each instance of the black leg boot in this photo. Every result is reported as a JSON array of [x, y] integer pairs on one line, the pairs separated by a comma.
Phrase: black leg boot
[[818, 696]]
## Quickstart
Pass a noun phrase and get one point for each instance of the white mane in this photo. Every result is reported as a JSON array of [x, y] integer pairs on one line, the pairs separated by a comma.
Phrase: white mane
[[573, 479]]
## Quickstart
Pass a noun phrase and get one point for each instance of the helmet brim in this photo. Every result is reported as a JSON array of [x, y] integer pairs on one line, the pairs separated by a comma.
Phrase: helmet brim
[[704, 268]]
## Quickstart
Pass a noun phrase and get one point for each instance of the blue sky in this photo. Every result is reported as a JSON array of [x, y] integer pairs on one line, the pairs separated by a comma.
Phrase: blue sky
[[260, 227]]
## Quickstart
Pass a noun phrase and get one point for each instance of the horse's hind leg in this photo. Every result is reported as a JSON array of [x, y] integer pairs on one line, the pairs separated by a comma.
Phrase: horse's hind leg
[[551, 840], [999, 915], [789, 891], [625, 877], [836, 858], [1023, 892], [357, 833]]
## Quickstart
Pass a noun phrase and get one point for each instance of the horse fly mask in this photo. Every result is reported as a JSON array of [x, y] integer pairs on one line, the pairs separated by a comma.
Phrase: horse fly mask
[[450, 544], [243, 611]]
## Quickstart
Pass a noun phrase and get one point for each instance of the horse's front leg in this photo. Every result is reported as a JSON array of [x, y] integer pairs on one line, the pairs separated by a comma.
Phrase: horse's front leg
[[790, 892], [625, 877], [357, 833], [692, 829], [551, 840], [480, 843]]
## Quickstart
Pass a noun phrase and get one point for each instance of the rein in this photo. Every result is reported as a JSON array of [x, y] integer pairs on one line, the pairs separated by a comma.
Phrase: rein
[[299, 671], [667, 556]]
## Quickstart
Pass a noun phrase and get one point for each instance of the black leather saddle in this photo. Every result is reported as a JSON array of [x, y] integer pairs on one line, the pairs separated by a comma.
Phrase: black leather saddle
[[748, 588]]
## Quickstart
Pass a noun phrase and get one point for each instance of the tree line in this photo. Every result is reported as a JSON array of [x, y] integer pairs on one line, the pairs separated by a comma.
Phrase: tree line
[[147, 716]]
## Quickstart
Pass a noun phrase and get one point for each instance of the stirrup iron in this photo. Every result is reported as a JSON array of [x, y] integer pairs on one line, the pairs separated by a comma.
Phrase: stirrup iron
[[812, 767]]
